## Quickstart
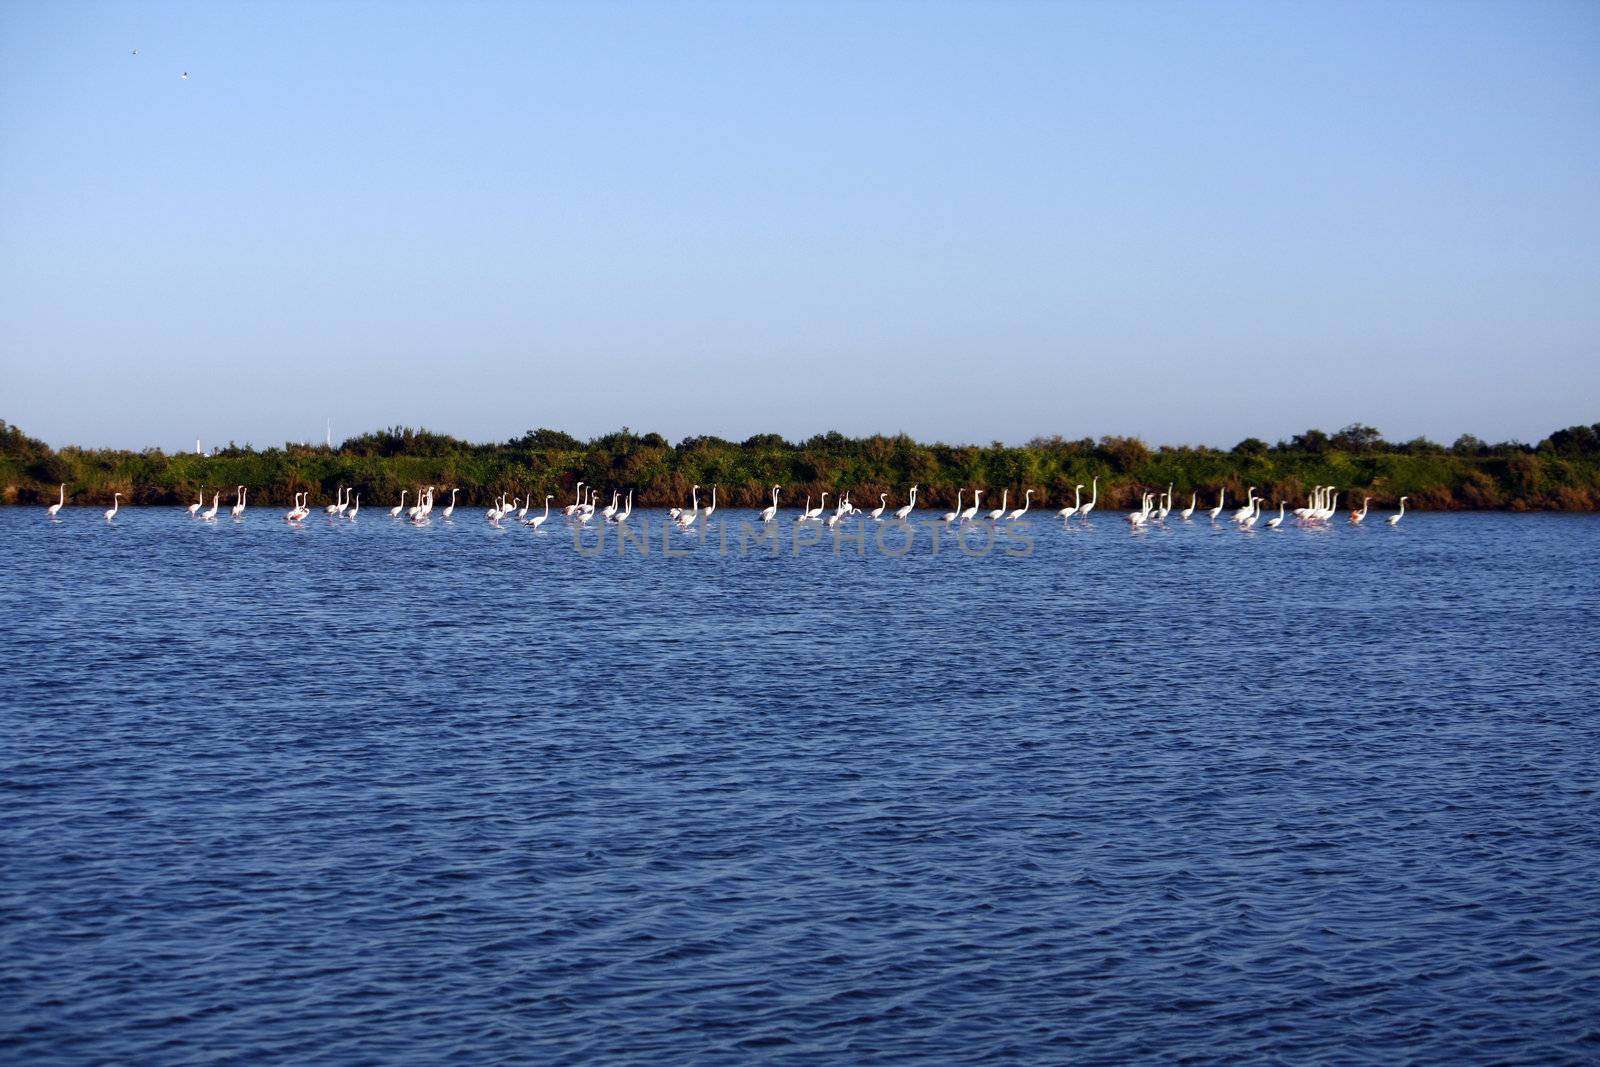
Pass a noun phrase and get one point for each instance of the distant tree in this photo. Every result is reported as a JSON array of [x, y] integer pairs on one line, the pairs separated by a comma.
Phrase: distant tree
[[1421, 446], [549, 441], [1250, 446], [1312, 442], [1357, 438], [1125, 453], [1468, 445], [1573, 441]]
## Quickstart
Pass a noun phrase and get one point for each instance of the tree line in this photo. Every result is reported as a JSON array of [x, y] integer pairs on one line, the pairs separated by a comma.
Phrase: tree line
[[1561, 472]]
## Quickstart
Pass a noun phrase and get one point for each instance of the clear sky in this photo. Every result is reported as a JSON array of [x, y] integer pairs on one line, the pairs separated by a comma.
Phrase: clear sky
[[1194, 222]]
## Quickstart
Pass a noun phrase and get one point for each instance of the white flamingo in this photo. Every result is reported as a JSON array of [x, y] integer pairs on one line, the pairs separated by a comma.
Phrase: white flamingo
[[686, 521], [611, 508], [394, 512], [539, 520], [1222, 495], [1077, 495], [237, 511], [1142, 516], [1000, 512], [713, 505], [770, 512], [1273, 524], [816, 513], [1243, 513], [1094, 498], [1188, 513], [1357, 516], [353, 512], [338, 503], [577, 503], [970, 513], [627, 510], [952, 516], [116, 500], [1027, 499], [805, 512], [211, 516], [1394, 520], [54, 509], [883, 504], [902, 513], [450, 508], [194, 509]]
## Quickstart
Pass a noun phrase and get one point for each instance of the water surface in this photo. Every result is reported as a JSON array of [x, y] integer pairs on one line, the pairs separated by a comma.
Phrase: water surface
[[369, 792]]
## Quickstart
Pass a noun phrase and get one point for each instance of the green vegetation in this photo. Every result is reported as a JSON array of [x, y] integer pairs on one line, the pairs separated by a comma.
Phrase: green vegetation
[[1562, 472]]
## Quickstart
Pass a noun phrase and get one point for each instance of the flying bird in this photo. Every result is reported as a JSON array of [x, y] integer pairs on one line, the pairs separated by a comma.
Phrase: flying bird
[[185, 75]]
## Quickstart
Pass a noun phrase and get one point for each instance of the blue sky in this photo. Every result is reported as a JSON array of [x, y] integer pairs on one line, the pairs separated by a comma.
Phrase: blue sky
[[1191, 222]]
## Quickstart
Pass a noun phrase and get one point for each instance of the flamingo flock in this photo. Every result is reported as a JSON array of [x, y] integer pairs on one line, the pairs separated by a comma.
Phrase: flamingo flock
[[1322, 504]]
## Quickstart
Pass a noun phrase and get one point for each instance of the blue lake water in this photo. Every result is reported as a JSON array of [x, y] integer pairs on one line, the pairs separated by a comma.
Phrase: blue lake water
[[370, 793]]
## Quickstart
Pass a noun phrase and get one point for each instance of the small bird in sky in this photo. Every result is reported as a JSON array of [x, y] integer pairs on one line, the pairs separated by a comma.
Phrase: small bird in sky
[[135, 51], [185, 75]]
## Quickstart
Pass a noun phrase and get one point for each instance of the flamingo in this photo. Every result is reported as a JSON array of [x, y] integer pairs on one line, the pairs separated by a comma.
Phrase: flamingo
[[1077, 495], [1222, 494], [450, 508], [816, 512], [194, 509], [1000, 512], [1242, 513], [877, 512], [771, 511], [1357, 516], [116, 499], [1188, 512], [713, 505], [355, 510], [622, 516], [952, 516], [1394, 520], [394, 512], [1246, 517], [539, 520], [970, 513], [611, 508], [1166, 505], [53, 509], [805, 512], [238, 506], [694, 509], [211, 516], [1093, 499], [295, 514], [1027, 499], [1273, 524], [902, 513], [573, 507], [338, 503]]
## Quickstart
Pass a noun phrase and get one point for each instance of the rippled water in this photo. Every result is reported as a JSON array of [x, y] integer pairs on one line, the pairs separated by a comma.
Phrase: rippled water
[[367, 792]]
